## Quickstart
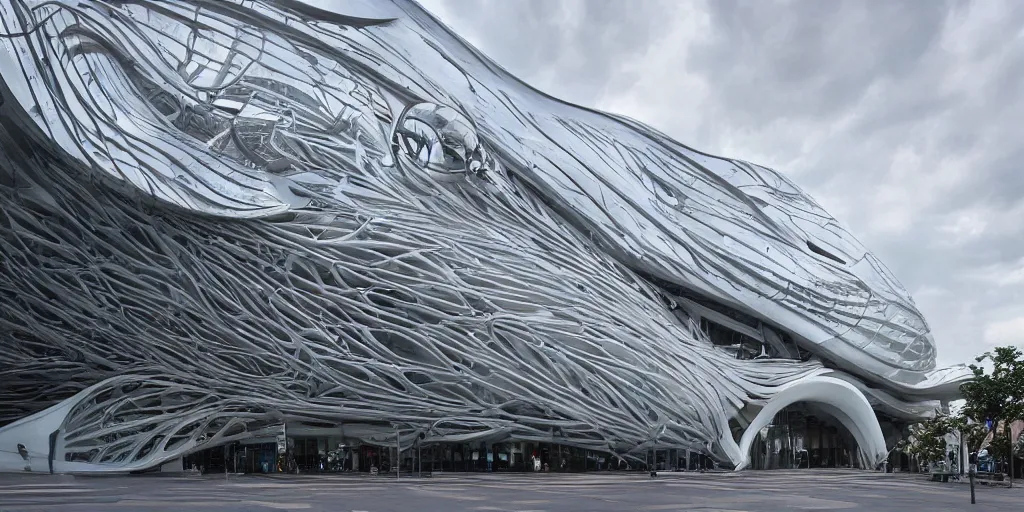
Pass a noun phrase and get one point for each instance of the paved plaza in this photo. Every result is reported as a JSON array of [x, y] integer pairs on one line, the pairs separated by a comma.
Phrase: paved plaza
[[619, 492]]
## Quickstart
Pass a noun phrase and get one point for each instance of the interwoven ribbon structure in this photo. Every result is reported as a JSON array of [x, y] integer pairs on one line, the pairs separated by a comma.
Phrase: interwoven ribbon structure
[[216, 216]]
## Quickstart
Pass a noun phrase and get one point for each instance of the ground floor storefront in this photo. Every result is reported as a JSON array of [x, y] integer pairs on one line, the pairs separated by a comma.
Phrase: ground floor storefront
[[324, 454], [799, 437]]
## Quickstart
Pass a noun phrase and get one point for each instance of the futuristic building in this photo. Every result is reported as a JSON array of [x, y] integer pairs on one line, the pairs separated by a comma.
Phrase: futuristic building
[[221, 219]]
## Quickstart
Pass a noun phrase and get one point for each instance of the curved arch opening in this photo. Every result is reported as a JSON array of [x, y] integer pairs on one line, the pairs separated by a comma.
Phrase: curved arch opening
[[840, 412], [801, 436]]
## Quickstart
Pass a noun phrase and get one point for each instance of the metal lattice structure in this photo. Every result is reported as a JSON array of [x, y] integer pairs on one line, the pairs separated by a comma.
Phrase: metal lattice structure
[[216, 216]]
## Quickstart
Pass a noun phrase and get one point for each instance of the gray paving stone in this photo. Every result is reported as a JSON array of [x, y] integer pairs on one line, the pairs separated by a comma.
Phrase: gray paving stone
[[752, 491]]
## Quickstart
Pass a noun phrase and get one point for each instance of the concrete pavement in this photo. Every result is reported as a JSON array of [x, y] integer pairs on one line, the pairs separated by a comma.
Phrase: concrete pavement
[[763, 491]]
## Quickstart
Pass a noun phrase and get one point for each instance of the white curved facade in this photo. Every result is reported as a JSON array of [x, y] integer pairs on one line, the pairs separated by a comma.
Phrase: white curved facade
[[218, 216]]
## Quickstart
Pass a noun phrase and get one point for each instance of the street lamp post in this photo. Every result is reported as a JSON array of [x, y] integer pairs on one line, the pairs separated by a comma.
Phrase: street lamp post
[[973, 460]]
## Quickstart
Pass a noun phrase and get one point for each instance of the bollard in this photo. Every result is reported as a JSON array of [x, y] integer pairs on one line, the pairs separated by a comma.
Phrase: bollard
[[971, 473]]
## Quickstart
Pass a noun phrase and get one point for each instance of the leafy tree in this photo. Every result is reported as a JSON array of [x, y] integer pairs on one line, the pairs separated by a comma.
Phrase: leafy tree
[[927, 440], [997, 396], [999, 448], [972, 433]]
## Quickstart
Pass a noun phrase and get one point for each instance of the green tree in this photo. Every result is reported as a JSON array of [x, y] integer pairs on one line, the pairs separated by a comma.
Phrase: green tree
[[997, 396], [927, 440], [973, 434], [999, 448]]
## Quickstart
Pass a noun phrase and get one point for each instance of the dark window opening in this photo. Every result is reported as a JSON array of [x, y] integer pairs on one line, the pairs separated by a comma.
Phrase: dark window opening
[[743, 346], [802, 353], [721, 335], [822, 252], [679, 291]]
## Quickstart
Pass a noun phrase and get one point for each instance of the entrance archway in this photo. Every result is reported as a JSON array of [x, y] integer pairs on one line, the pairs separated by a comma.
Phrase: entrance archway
[[803, 436], [829, 397]]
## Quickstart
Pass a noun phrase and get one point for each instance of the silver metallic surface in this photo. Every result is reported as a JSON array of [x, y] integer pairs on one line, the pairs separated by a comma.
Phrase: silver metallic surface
[[217, 215]]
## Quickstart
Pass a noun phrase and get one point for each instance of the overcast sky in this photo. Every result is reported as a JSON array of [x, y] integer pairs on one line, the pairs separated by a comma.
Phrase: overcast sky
[[904, 119]]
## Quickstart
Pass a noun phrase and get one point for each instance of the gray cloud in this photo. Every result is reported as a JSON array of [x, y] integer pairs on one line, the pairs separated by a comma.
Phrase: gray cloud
[[796, 60], [902, 118], [578, 43]]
